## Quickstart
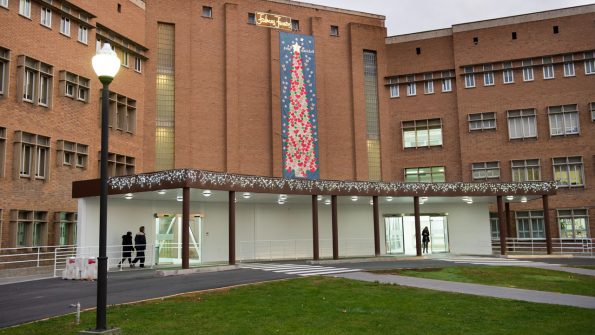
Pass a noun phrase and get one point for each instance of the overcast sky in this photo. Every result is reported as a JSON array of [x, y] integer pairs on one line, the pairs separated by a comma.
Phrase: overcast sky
[[411, 16]]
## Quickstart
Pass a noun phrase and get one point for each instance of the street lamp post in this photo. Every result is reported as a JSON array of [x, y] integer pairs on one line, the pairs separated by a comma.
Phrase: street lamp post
[[106, 64]]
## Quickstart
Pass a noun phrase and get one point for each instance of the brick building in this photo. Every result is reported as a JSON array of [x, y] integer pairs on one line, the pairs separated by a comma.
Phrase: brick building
[[503, 100]]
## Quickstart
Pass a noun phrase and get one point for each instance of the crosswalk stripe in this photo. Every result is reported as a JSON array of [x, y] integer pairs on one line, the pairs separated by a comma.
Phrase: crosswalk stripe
[[314, 270], [327, 272]]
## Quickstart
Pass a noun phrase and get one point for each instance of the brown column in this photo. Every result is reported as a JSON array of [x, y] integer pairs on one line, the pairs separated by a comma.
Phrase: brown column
[[502, 225], [376, 226], [335, 228], [315, 240], [417, 225], [232, 227], [546, 222], [508, 221], [185, 228]]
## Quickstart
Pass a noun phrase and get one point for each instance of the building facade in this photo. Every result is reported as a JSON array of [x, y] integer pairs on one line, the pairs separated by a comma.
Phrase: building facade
[[208, 85]]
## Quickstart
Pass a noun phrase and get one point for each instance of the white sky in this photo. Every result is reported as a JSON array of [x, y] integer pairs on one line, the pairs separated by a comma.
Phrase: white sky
[[411, 16]]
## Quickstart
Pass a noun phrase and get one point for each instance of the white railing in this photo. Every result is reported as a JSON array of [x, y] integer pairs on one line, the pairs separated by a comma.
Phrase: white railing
[[301, 249], [27, 257], [579, 247]]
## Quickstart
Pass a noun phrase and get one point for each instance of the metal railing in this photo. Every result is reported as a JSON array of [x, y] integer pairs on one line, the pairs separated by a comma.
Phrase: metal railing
[[560, 246], [301, 249], [26, 257]]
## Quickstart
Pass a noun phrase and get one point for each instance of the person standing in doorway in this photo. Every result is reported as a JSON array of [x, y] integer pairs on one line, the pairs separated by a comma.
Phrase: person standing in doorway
[[140, 243], [425, 239], [127, 249]]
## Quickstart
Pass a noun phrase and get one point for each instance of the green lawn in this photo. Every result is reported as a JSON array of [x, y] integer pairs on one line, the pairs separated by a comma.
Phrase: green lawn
[[508, 276], [330, 306]]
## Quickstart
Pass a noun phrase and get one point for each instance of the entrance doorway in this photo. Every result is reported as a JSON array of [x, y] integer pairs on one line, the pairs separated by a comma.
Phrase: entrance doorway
[[168, 241], [400, 233]]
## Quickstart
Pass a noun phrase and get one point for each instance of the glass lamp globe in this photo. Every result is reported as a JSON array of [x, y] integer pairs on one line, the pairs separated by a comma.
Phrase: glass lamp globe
[[105, 62]]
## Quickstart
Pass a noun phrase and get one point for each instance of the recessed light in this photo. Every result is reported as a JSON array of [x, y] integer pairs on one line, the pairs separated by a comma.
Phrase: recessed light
[[389, 198], [283, 196], [128, 196], [327, 202], [354, 198], [319, 197], [509, 197], [246, 195], [161, 192], [207, 193], [179, 198], [523, 199]]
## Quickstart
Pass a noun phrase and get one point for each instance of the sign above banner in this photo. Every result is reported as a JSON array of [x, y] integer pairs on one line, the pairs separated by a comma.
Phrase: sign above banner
[[273, 21]]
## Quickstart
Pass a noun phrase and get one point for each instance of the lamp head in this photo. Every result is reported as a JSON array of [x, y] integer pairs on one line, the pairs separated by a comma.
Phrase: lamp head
[[106, 63]]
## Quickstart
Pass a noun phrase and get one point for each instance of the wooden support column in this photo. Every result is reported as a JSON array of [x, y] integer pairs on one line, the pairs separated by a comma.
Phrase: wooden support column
[[315, 239], [185, 228], [232, 227], [508, 221], [417, 225], [502, 225], [335, 227], [546, 222], [376, 226]]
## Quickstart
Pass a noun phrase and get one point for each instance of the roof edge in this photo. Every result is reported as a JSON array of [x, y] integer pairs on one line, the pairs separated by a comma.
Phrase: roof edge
[[328, 8]]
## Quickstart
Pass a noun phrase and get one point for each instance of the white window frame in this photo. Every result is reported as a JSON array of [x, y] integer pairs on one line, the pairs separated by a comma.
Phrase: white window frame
[[26, 160], [138, 64], [488, 75], [507, 73], [446, 81], [4, 70], [4, 3], [29, 85], [437, 174], [485, 170], [535, 219], [570, 216], [568, 65], [469, 77], [83, 34], [207, 11], [44, 90], [528, 123], [564, 120], [429, 83], [548, 68], [528, 70], [592, 106], [65, 26], [394, 90], [422, 132], [568, 166], [411, 86], [520, 169], [25, 8], [589, 63], [46, 17], [482, 121]]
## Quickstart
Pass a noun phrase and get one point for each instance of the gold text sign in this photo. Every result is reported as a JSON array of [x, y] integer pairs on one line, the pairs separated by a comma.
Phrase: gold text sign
[[273, 21]]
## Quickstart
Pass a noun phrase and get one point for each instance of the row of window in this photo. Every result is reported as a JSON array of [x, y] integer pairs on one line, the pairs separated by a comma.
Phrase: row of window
[[31, 228], [65, 14], [446, 78], [572, 224]]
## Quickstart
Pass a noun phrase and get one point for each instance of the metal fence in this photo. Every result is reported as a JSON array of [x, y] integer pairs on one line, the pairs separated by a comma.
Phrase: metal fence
[[517, 246]]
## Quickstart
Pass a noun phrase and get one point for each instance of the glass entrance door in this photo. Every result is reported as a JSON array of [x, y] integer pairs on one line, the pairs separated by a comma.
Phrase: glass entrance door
[[168, 243], [394, 235], [400, 233]]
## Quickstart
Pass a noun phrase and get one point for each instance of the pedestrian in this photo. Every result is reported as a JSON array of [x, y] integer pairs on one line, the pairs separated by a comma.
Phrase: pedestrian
[[140, 243], [127, 249], [425, 239]]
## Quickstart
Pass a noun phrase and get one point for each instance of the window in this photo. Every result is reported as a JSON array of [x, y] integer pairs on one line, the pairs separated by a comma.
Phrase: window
[[4, 71], [2, 153], [556, 30], [526, 170], [30, 228], [33, 153], [65, 26], [138, 64], [494, 226], [548, 67], [568, 66], [563, 120], [394, 90], [530, 224], [422, 133], [592, 106], [295, 25], [590, 62], [482, 121], [522, 124], [428, 83], [485, 170], [207, 11], [74, 86], [251, 18], [568, 171], [119, 165], [488, 75], [573, 223], [37, 77], [431, 174], [514, 35], [122, 113], [66, 227], [507, 73], [83, 34], [3, 3], [72, 154], [46, 17], [411, 86], [372, 114], [469, 77], [527, 70], [334, 30], [447, 81], [25, 8]]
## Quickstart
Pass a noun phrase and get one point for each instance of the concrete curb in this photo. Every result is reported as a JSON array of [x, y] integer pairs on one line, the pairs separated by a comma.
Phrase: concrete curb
[[181, 272]]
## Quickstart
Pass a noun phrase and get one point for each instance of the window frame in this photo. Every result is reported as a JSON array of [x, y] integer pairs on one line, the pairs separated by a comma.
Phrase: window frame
[[568, 166], [65, 26], [3, 4], [572, 214], [534, 218], [447, 81], [4, 71], [507, 73], [394, 90], [485, 168], [488, 75], [3, 145], [295, 25], [31, 149], [564, 111], [45, 18], [523, 114], [428, 83], [411, 86], [334, 30], [78, 154], [138, 64], [432, 174], [528, 74], [469, 76], [418, 127], [592, 108], [29, 76], [25, 8], [568, 65], [71, 81], [589, 62], [83, 34], [251, 18], [484, 120], [526, 168], [548, 68], [207, 12]]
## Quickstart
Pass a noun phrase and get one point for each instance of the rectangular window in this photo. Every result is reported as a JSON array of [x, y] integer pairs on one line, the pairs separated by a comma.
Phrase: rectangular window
[[592, 106], [494, 226], [83, 34], [422, 133], [207, 11], [568, 171], [485, 170], [74, 86], [4, 62], [138, 64], [37, 81], [469, 77], [72, 154], [251, 18], [430, 174], [447, 81], [30, 228], [568, 66], [370, 61], [527, 70], [526, 170], [334, 30], [46, 17], [25, 8], [411, 86], [119, 165], [29, 88], [530, 224], [482, 121], [548, 67], [66, 222], [522, 124], [295, 25], [428, 83], [590, 62], [563, 120], [44, 90], [573, 223], [507, 73], [65, 26], [122, 113], [488, 75], [3, 3], [394, 90], [2, 153], [33, 153], [165, 93]]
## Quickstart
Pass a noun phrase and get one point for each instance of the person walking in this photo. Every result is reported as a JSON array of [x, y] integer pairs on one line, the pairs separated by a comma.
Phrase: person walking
[[425, 239], [140, 243], [127, 249]]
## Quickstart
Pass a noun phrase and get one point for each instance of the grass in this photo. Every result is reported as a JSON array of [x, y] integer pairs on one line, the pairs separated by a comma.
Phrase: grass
[[509, 276], [329, 306], [590, 267]]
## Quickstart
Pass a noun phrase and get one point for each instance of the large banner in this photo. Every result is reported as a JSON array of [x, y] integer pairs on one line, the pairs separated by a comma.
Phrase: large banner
[[298, 107]]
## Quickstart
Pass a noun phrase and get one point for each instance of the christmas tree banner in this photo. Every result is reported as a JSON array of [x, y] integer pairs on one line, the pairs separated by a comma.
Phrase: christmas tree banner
[[298, 107]]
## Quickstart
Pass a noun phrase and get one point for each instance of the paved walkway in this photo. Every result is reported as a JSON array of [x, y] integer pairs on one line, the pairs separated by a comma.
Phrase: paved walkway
[[476, 289]]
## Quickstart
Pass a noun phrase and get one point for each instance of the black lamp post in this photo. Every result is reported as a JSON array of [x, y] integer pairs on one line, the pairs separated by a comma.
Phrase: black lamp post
[[106, 64]]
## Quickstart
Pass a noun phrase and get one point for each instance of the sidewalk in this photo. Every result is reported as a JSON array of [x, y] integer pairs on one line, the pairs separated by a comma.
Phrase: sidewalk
[[476, 289]]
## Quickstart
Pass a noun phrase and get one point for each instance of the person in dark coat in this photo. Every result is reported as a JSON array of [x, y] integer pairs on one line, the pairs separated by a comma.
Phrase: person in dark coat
[[140, 243], [425, 239], [127, 249]]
